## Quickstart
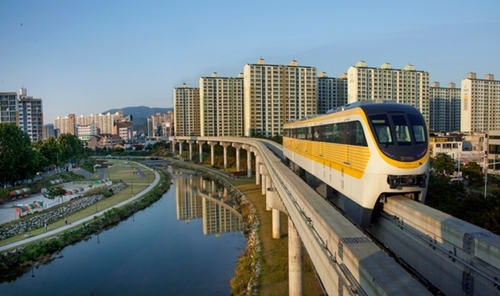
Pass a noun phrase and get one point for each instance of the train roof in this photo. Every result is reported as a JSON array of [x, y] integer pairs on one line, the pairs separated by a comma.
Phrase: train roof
[[368, 107]]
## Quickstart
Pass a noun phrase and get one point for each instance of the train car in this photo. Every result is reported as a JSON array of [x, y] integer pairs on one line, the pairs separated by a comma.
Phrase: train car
[[360, 154]]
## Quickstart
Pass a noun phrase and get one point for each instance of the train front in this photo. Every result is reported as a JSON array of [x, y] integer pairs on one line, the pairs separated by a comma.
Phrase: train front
[[402, 142]]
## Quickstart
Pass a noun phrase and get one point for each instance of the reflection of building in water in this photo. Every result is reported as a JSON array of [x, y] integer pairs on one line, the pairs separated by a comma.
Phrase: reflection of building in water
[[188, 203], [199, 198], [219, 217]]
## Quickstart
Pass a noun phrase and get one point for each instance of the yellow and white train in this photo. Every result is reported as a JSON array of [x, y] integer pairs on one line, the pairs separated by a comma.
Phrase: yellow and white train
[[360, 154]]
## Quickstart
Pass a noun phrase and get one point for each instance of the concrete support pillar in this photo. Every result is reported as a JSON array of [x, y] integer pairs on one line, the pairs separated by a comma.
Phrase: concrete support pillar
[[273, 201], [257, 169], [276, 224], [212, 187], [249, 163], [212, 145], [172, 146], [238, 147], [295, 261], [180, 147], [225, 145], [200, 150], [190, 143]]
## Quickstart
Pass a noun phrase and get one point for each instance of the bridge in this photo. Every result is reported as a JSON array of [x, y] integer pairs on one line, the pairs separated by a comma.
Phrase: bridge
[[411, 249]]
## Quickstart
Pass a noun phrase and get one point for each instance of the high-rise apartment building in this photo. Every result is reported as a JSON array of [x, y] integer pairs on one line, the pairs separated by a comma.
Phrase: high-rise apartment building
[[30, 115], [8, 108], [187, 111], [444, 108], [332, 92], [406, 86], [480, 103], [276, 94], [221, 106], [105, 123], [50, 131], [66, 124], [160, 125]]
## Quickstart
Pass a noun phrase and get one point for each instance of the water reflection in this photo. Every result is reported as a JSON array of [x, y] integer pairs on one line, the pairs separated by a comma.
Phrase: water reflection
[[158, 254], [197, 198]]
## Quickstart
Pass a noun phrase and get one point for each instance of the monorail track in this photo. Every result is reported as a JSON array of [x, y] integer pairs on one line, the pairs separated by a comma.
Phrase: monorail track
[[458, 258]]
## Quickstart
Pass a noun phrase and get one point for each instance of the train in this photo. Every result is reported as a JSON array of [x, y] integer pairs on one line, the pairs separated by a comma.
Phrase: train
[[358, 155]]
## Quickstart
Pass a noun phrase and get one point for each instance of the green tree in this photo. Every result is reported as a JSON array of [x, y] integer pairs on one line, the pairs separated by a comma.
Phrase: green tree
[[71, 147], [443, 163], [54, 191], [18, 159], [50, 151]]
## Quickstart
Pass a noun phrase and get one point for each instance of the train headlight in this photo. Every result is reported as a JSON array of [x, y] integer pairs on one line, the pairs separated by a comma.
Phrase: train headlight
[[395, 181]]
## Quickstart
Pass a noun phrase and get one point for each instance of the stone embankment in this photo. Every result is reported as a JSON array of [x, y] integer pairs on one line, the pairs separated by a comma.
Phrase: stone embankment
[[50, 215]]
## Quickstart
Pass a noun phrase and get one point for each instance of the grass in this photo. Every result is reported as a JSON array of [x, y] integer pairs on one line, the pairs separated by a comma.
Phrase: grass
[[274, 254], [116, 173]]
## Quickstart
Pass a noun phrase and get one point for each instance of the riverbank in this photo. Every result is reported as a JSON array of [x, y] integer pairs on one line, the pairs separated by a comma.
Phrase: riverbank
[[83, 228]]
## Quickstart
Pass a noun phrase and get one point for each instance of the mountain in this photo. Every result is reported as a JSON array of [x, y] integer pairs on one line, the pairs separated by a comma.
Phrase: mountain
[[140, 115]]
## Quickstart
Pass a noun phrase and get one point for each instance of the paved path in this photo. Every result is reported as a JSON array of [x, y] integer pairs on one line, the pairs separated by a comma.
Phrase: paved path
[[75, 223]]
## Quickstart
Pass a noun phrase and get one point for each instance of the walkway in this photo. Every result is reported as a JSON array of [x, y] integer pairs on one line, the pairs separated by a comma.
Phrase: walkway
[[76, 223]]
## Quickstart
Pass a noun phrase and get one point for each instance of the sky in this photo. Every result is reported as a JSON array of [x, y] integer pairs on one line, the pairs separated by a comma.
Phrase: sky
[[86, 57]]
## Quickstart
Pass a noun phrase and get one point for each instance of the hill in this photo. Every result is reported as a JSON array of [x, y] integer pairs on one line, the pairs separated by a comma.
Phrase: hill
[[140, 115]]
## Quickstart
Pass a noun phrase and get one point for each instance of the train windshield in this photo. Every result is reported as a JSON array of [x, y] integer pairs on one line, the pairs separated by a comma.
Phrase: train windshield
[[400, 136]]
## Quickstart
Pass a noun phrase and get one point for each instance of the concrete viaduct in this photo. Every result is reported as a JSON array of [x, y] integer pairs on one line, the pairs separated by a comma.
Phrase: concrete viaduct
[[347, 262]]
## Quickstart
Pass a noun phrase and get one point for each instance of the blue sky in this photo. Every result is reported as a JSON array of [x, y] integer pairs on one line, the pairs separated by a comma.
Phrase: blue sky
[[86, 57]]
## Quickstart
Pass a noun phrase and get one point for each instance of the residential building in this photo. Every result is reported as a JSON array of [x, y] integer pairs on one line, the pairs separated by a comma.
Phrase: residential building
[[493, 140], [30, 115], [123, 128], [405, 86], [187, 111], [221, 106], [105, 123], [8, 108], [86, 132], [50, 131], [444, 108], [101, 141], [66, 124], [332, 92], [160, 125], [277, 94], [480, 103]]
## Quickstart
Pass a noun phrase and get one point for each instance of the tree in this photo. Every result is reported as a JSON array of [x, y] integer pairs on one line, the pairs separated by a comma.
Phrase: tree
[[71, 147], [443, 163], [54, 191], [18, 159]]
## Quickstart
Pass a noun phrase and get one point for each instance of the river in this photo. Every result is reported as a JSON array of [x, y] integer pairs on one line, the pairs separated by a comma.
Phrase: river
[[184, 244]]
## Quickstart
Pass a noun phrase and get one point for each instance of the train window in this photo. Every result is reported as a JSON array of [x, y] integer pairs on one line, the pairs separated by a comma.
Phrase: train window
[[337, 133], [418, 127], [356, 134], [328, 133], [401, 129], [380, 124]]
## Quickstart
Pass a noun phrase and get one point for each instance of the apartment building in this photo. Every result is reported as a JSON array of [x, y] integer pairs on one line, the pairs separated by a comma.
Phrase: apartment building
[[104, 122], [332, 92], [30, 115], [276, 94], [8, 108], [406, 85], [187, 111], [221, 106], [160, 125], [480, 103], [86, 132], [50, 131], [444, 108]]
